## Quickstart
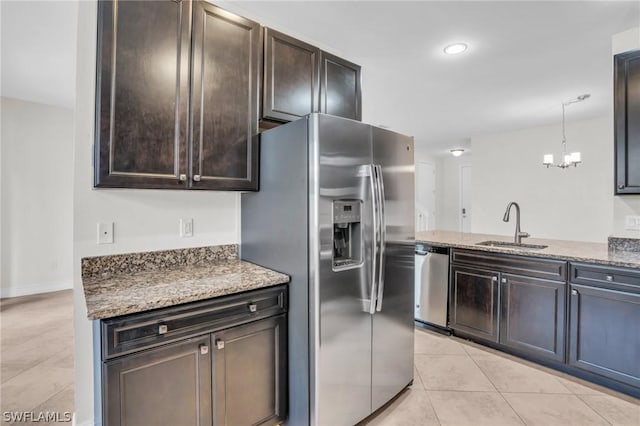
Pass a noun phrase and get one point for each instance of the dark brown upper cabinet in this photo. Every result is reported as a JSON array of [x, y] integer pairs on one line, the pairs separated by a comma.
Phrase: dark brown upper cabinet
[[291, 77], [224, 99], [340, 87], [142, 93], [627, 122], [300, 79], [143, 138]]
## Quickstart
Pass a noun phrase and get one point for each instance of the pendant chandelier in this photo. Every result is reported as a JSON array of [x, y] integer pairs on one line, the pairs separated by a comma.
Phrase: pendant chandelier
[[568, 159]]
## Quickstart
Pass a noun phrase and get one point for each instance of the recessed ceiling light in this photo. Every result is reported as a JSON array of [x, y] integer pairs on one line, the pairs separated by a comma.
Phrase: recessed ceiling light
[[454, 49], [457, 152]]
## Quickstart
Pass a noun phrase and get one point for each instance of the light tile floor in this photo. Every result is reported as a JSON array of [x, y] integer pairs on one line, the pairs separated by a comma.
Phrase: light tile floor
[[460, 383], [36, 354], [455, 383]]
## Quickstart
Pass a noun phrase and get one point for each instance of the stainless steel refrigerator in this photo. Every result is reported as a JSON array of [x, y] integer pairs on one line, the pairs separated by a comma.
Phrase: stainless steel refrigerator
[[335, 211]]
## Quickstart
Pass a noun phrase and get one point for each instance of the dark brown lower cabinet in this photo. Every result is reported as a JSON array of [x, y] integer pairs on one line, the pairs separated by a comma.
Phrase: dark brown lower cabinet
[[249, 360], [586, 323], [474, 302], [169, 385], [518, 302], [533, 315], [219, 362], [604, 330]]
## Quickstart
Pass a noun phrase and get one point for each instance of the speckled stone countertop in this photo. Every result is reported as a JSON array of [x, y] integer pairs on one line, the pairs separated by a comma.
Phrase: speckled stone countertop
[[557, 249], [125, 284]]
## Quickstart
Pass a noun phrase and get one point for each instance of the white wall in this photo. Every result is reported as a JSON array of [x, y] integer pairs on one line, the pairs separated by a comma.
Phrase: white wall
[[571, 204], [37, 157], [627, 204], [144, 219], [425, 188]]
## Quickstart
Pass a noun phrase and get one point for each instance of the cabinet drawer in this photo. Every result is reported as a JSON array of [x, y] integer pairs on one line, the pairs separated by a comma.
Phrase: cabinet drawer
[[513, 264], [617, 278], [135, 332]]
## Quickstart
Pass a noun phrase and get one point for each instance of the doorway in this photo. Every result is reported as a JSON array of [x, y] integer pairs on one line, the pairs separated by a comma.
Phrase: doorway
[[465, 198]]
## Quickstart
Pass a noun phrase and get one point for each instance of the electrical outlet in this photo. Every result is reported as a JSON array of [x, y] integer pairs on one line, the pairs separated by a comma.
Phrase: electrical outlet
[[186, 227], [105, 233], [632, 223]]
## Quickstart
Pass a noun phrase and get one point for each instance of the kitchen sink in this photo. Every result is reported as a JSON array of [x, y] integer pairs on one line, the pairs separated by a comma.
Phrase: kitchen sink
[[505, 244]]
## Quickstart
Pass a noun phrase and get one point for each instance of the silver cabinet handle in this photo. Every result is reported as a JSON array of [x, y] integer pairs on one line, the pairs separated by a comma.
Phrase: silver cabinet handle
[[494, 279], [162, 329], [183, 178], [609, 277], [196, 178], [220, 344], [204, 349], [621, 186], [253, 307], [504, 281], [574, 292]]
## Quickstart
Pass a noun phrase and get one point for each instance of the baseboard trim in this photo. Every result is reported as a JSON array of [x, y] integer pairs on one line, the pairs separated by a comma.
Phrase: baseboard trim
[[35, 289], [85, 423]]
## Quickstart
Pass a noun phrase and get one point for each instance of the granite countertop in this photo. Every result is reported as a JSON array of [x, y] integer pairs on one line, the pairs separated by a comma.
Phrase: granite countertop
[[125, 284], [557, 249]]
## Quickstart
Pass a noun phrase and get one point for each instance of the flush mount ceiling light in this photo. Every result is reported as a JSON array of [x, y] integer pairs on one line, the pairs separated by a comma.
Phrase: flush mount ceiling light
[[454, 49], [457, 152], [568, 159]]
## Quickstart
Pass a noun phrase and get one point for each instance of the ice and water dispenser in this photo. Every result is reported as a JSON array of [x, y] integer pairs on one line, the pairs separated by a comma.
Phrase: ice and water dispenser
[[347, 234]]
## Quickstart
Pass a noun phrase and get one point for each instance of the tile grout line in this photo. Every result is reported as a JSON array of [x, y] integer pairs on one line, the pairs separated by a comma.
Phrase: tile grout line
[[56, 394], [593, 409], [424, 389], [433, 408], [29, 307], [484, 374], [512, 409]]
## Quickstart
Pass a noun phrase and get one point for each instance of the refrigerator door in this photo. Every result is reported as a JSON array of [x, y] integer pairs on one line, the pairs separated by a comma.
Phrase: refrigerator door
[[340, 297], [392, 342]]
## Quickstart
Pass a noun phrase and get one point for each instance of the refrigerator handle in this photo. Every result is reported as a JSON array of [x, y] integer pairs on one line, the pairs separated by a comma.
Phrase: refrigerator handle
[[374, 239], [383, 237]]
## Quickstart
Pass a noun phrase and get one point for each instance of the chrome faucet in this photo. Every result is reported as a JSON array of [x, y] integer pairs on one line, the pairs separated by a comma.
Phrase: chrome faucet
[[519, 235]]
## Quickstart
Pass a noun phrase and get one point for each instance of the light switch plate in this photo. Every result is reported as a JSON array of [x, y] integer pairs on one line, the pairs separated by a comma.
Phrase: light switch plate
[[186, 227], [632, 223], [105, 233]]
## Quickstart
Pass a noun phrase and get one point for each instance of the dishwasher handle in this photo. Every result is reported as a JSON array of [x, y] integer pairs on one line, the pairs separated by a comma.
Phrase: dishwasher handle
[[423, 250]]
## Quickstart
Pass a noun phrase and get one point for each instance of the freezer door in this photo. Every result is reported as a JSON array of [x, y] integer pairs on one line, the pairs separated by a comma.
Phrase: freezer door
[[392, 342], [340, 160]]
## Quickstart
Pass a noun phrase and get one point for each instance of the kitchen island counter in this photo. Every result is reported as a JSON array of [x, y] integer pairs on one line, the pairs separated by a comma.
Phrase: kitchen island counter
[[577, 251], [129, 283]]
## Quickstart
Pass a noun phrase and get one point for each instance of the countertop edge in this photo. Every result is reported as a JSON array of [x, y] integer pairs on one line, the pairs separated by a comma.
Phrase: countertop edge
[[100, 314], [533, 253]]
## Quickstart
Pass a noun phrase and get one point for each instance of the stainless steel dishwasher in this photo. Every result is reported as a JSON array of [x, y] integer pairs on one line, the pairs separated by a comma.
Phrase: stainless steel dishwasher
[[432, 285]]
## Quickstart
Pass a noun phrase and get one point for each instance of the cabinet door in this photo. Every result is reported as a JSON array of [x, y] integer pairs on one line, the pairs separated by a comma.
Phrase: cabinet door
[[604, 337], [169, 385], [224, 100], [291, 77], [627, 124], [340, 87], [250, 373], [474, 302], [533, 315], [141, 94]]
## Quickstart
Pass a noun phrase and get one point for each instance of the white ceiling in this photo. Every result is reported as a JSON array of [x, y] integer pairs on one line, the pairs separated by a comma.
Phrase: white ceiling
[[524, 58]]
